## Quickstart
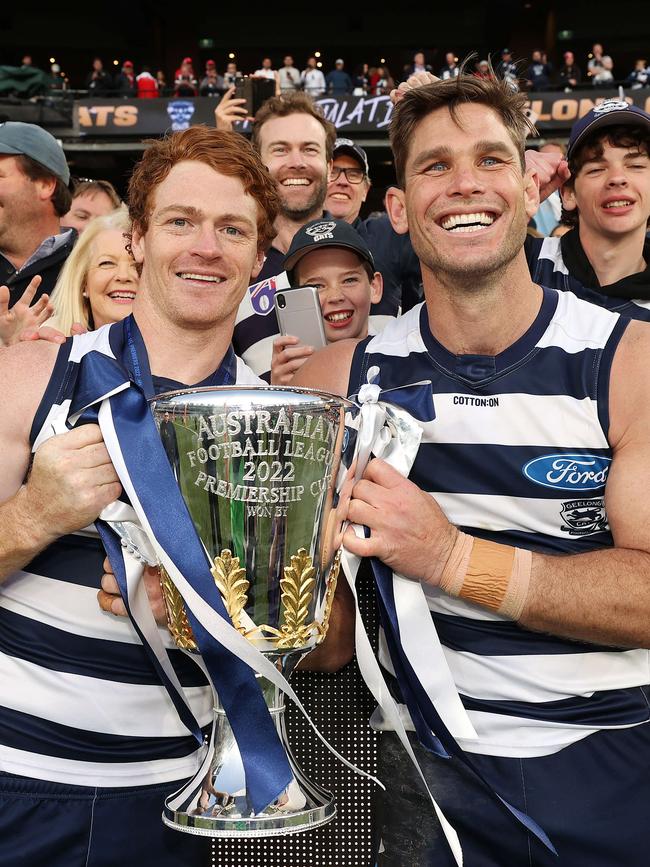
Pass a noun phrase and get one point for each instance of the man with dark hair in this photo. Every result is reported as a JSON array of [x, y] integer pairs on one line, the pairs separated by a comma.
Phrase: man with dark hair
[[536, 446], [312, 79], [89, 737], [34, 195], [289, 76], [296, 144], [90, 199], [98, 81], [451, 69], [605, 258]]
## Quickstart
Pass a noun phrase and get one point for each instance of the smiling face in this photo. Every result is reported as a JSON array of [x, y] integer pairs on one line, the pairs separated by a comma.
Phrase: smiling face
[[200, 249], [293, 148], [344, 199], [85, 207], [344, 288], [112, 280], [23, 202], [466, 202], [611, 191]]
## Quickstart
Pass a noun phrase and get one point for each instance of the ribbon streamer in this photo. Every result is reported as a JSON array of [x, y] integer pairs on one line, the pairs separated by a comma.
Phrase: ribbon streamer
[[387, 430], [157, 528]]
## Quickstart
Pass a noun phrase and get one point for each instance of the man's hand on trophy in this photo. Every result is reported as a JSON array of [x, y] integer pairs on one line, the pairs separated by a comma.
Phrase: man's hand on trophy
[[408, 530], [72, 479], [229, 110], [110, 600]]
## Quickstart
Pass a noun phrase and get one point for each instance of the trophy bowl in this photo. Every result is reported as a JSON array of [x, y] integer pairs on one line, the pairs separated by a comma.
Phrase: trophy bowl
[[256, 467]]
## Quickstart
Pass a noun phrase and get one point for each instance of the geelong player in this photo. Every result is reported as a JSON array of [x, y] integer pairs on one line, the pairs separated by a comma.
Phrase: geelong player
[[525, 515], [90, 743]]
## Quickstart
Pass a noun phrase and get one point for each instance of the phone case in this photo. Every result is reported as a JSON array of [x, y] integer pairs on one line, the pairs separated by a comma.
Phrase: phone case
[[301, 316]]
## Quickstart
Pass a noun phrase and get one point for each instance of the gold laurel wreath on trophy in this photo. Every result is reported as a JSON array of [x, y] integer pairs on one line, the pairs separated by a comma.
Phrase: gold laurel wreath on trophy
[[297, 588]]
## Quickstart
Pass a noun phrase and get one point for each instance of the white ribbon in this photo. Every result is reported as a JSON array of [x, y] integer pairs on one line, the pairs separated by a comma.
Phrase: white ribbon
[[390, 433]]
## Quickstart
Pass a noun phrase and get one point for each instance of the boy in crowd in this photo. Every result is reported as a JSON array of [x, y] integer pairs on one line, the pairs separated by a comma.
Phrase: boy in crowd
[[332, 256], [604, 259]]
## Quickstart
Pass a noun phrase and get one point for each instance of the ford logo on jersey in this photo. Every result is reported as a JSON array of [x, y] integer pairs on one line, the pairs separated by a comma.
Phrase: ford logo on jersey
[[569, 472]]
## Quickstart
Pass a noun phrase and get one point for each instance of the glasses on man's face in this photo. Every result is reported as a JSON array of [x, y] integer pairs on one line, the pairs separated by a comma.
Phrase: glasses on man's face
[[353, 176]]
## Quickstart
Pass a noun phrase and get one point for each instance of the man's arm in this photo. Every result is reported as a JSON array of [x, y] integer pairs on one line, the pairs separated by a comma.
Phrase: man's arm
[[601, 596], [71, 479], [605, 595], [329, 370]]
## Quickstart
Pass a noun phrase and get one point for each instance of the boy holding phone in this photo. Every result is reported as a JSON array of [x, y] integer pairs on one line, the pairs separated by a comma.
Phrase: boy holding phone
[[331, 256]]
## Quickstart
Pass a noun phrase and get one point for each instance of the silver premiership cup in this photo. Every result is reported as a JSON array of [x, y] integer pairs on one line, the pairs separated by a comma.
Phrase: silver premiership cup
[[256, 467]]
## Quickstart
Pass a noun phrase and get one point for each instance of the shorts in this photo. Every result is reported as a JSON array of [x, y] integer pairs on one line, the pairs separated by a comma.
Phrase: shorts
[[45, 824], [592, 799]]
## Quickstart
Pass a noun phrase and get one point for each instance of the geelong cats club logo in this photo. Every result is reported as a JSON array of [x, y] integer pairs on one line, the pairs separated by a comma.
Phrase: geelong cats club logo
[[583, 517]]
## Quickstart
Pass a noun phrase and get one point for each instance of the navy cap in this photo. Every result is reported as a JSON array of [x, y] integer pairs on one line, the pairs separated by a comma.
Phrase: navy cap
[[611, 112], [347, 146], [30, 140], [326, 233]]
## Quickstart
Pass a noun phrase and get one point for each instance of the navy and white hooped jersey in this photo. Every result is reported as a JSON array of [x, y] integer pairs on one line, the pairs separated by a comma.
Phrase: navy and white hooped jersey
[[547, 267], [80, 702], [518, 453]]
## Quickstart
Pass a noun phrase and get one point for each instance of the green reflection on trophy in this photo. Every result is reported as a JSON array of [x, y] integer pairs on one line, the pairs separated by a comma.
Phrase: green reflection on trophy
[[256, 467]]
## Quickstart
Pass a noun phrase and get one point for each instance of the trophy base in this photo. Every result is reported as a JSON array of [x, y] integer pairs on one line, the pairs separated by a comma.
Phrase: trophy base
[[263, 825], [223, 808]]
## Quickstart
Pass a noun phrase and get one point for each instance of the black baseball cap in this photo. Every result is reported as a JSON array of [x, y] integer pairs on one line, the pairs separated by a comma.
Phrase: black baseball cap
[[326, 233], [347, 146], [611, 112], [30, 140]]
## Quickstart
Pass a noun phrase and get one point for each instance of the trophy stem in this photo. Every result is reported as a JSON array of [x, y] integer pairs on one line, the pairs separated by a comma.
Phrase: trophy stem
[[222, 808]]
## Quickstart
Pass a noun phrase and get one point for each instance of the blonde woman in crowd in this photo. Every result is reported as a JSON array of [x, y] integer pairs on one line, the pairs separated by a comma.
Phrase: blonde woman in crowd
[[99, 280]]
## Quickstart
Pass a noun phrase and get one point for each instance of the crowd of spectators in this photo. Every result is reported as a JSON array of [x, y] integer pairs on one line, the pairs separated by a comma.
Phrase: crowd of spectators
[[535, 73]]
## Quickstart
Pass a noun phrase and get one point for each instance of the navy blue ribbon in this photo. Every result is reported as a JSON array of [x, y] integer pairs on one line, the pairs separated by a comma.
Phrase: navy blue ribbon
[[265, 762]]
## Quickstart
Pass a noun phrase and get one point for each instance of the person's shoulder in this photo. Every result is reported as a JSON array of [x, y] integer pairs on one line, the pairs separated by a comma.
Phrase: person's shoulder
[[329, 368], [25, 370], [634, 347], [629, 391], [27, 360]]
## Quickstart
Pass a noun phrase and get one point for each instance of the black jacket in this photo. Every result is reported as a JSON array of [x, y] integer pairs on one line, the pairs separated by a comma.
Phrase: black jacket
[[48, 267]]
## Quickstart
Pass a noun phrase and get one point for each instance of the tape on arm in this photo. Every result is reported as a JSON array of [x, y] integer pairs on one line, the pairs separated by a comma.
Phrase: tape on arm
[[489, 574]]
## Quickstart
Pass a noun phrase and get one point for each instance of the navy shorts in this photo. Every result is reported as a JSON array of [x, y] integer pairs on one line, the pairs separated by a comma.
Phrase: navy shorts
[[52, 825], [592, 799]]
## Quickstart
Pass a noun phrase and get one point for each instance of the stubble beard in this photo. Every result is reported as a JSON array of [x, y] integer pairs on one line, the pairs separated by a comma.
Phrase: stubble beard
[[470, 277], [312, 207]]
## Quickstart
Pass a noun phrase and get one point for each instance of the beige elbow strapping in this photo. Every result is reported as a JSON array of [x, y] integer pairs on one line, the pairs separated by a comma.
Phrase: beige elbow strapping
[[493, 575]]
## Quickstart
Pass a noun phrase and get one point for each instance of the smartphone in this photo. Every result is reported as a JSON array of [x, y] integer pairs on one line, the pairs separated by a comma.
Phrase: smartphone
[[255, 91], [298, 311]]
